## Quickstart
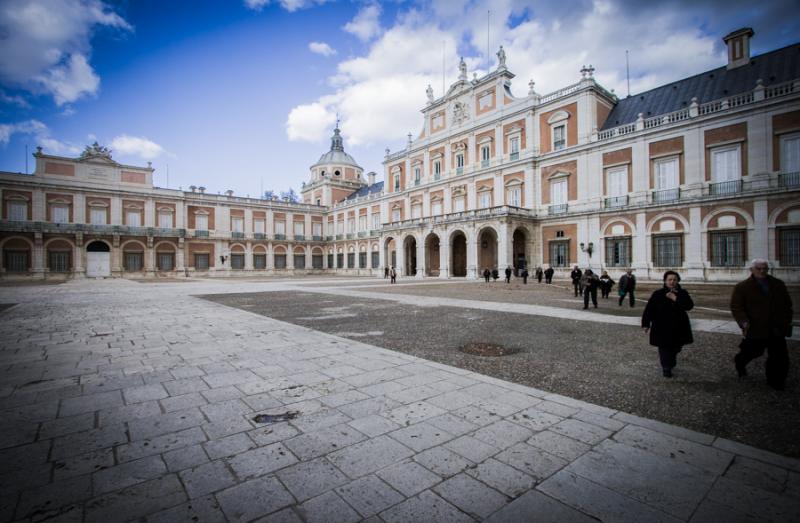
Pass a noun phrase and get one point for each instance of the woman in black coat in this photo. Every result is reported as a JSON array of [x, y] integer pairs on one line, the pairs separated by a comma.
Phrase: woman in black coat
[[666, 320]]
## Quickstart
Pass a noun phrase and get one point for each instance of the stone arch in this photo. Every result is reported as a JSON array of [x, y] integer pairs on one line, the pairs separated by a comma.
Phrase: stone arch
[[727, 210], [776, 217], [458, 252], [237, 248], [161, 246], [17, 252], [390, 252], [519, 251], [259, 249], [432, 254], [618, 221], [58, 254], [165, 255], [667, 215], [410, 255], [487, 246], [316, 251], [133, 255], [95, 246], [126, 246]]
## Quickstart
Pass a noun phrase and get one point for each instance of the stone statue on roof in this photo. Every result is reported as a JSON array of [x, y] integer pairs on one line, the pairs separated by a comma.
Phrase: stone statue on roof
[[462, 70], [501, 58], [429, 93], [96, 151]]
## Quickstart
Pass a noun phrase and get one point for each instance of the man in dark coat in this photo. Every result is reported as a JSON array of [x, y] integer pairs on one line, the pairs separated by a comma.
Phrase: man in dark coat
[[666, 320], [508, 274], [495, 274], [576, 275], [589, 282], [763, 309], [548, 275], [487, 274], [627, 284], [524, 275], [539, 274]]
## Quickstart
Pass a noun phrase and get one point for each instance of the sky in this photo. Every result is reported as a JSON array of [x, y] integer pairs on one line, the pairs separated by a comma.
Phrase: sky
[[244, 94]]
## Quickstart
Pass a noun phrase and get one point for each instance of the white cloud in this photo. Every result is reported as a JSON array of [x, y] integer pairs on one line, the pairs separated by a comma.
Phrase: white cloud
[[40, 133], [17, 100], [321, 48], [366, 23], [309, 122], [136, 146], [289, 5], [46, 44]]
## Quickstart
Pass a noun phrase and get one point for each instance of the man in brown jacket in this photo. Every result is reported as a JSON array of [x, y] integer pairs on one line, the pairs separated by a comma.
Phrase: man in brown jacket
[[763, 309]]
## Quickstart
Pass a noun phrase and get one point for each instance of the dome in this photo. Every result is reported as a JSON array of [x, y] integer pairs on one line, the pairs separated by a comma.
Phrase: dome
[[336, 156]]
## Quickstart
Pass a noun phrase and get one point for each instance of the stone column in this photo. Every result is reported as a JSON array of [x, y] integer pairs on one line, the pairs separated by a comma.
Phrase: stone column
[[401, 257], [758, 237], [270, 257], [693, 241], [421, 263], [248, 253], [180, 263], [639, 247], [38, 262], [472, 255], [505, 248], [77, 256], [444, 254]]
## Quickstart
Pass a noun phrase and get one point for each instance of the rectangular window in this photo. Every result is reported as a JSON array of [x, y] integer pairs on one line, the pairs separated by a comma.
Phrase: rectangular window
[[237, 261], [459, 160], [395, 215], [436, 208], [133, 261], [485, 199], [725, 164], [617, 181], [558, 192], [417, 175], [97, 216], [259, 226], [280, 261], [789, 240], [165, 261], [362, 222], [514, 196], [280, 227], [17, 211], [559, 253], [362, 260], [618, 252], [299, 261], [316, 261], [559, 137], [485, 156], [237, 224], [790, 153], [376, 220], [132, 219], [458, 204], [316, 228], [201, 222], [351, 225], [396, 182], [666, 174], [351, 260], [376, 259], [437, 169], [514, 145], [299, 228], [330, 261], [416, 211], [727, 249], [259, 261], [60, 213], [667, 251], [340, 227], [16, 261], [58, 261], [339, 260], [201, 261], [165, 220]]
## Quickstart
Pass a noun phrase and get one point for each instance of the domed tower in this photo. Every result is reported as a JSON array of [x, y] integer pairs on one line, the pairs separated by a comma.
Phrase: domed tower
[[335, 176]]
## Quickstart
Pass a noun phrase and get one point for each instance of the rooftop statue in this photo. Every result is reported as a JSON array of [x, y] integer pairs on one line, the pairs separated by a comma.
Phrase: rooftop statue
[[96, 151], [501, 58]]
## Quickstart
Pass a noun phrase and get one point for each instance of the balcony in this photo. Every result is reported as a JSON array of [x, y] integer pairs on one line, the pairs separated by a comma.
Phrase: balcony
[[350, 235], [299, 237], [201, 234], [789, 180], [666, 195], [437, 176], [614, 202], [237, 235], [484, 164], [514, 156], [560, 208], [417, 182], [316, 238], [259, 236], [340, 236], [280, 236], [724, 188], [459, 170], [71, 228]]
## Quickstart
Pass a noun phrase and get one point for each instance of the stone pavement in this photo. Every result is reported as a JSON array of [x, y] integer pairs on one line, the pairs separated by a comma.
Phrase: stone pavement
[[124, 401]]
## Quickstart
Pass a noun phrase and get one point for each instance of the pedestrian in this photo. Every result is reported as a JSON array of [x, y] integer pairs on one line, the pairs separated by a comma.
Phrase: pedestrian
[[576, 275], [385, 272], [525, 276], [606, 284], [508, 274], [495, 274], [589, 283], [762, 307], [665, 318], [486, 274], [393, 275], [539, 274], [548, 274], [627, 285]]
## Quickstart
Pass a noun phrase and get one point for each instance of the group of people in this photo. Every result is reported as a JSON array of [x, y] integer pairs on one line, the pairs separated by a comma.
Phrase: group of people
[[390, 272], [761, 306], [586, 283]]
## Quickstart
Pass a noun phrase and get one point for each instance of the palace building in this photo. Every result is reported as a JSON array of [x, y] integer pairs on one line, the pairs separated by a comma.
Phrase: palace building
[[699, 175]]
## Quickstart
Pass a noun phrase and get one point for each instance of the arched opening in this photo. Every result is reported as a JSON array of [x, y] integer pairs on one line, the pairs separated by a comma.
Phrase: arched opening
[[59, 256], [519, 254], [487, 250], [237, 257], [17, 256], [459, 254], [316, 258], [410, 251], [165, 257], [259, 257], [390, 253], [432, 255], [133, 257], [98, 260], [299, 258]]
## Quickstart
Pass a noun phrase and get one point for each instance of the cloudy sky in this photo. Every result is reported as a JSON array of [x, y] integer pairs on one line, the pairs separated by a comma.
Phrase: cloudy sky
[[244, 95]]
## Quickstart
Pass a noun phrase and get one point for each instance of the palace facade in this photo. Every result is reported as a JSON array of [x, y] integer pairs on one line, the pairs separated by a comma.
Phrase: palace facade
[[699, 175]]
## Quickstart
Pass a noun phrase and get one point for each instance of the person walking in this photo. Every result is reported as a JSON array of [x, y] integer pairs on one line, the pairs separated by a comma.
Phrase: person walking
[[539, 274], [606, 284], [392, 275], [495, 274], [486, 274], [576, 275], [524, 276], [627, 285], [385, 272], [548, 274], [508, 274], [589, 283], [762, 307], [665, 318]]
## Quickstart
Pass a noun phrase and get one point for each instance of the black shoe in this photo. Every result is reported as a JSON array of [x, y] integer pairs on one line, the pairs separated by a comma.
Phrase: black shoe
[[741, 370], [667, 372], [585, 308]]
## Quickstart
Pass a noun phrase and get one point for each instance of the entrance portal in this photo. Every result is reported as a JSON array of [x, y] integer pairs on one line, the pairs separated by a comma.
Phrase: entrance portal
[[459, 254], [98, 260], [432, 259], [520, 261], [410, 251], [487, 251]]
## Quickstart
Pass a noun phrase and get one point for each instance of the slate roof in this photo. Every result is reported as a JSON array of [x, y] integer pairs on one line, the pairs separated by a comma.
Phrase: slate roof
[[781, 65], [367, 189]]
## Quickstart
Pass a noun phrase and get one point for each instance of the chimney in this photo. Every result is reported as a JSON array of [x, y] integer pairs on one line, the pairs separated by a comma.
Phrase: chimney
[[738, 43], [201, 189], [371, 177], [193, 188]]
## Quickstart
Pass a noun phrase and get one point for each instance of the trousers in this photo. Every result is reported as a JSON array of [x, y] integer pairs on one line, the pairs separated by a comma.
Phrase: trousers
[[668, 356], [777, 364]]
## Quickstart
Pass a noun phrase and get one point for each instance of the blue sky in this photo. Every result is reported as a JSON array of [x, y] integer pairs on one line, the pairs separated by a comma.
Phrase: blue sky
[[243, 95]]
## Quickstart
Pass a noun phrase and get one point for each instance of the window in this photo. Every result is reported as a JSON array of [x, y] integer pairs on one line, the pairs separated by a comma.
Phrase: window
[[436, 207], [132, 218], [280, 227], [60, 213], [351, 260], [362, 260], [237, 224], [514, 196], [97, 215], [316, 261], [437, 169], [16, 261], [259, 226], [514, 146], [559, 253], [58, 261], [618, 252], [201, 222], [362, 222], [789, 241], [417, 175], [376, 220], [558, 192], [165, 220], [725, 165], [458, 204], [280, 261], [316, 228], [237, 261], [667, 251], [485, 199], [790, 153], [201, 261], [165, 261], [617, 181], [727, 249], [330, 261], [416, 211], [666, 174], [376, 259], [460, 163], [396, 182], [259, 261], [485, 155], [351, 225], [17, 211], [395, 215], [559, 137], [339, 260], [133, 261], [299, 261], [299, 228], [340, 227]]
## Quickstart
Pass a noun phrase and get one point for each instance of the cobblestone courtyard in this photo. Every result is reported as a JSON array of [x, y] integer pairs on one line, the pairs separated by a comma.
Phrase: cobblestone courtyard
[[125, 401]]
